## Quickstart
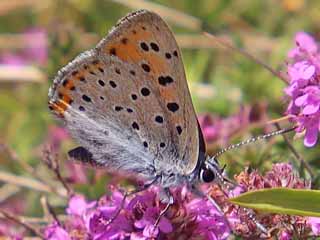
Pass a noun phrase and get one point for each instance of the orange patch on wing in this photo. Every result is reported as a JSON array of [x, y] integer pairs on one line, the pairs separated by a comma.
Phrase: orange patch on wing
[[68, 84], [66, 99], [59, 107], [127, 53], [95, 68], [157, 64], [129, 50], [168, 94], [76, 75]]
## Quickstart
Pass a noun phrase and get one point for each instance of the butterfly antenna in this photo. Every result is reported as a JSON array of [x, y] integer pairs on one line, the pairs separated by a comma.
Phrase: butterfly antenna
[[254, 139]]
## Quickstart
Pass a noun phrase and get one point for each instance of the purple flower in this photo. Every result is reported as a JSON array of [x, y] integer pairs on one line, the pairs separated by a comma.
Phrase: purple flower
[[16, 206], [37, 45], [283, 226], [55, 232], [79, 206], [56, 136], [190, 217], [304, 44], [304, 87], [35, 50], [9, 232], [285, 235], [220, 130], [211, 223], [148, 219], [315, 225]]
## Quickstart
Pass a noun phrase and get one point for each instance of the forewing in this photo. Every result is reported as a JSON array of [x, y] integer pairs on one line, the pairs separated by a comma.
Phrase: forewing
[[144, 40], [127, 101]]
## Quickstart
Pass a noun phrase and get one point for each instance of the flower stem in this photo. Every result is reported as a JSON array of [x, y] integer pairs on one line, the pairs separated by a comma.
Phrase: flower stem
[[20, 221]]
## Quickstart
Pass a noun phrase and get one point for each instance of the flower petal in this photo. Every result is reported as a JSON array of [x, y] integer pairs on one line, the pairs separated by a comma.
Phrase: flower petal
[[151, 231], [306, 42], [315, 225], [78, 205], [140, 223], [300, 101], [310, 109], [55, 232], [308, 72], [165, 225], [311, 136]]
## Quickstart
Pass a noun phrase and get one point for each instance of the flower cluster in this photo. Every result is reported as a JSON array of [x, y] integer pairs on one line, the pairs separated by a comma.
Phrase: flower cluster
[[35, 50], [9, 229], [283, 227], [304, 87], [188, 218], [220, 130]]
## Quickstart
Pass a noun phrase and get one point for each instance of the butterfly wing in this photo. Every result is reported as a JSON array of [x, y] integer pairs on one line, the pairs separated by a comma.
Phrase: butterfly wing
[[127, 101], [89, 96]]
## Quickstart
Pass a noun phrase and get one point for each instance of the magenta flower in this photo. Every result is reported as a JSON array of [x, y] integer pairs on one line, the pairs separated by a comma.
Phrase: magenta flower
[[34, 52], [56, 136], [56, 232], [283, 226], [285, 235], [9, 229], [76, 173], [188, 218], [37, 46], [304, 44], [304, 87], [220, 130], [79, 206], [315, 225]]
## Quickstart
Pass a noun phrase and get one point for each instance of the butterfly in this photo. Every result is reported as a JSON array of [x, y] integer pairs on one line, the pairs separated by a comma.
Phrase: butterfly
[[128, 105]]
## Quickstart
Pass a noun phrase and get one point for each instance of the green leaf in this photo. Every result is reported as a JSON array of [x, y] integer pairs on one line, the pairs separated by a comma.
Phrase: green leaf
[[301, 202]]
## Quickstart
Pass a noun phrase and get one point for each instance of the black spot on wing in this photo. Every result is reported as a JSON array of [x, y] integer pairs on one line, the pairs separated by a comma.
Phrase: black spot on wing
[[86, 98], [112, 84], [172, 106], [80, 154], [145, 91], [144, 46], [145, 67], [154, 47], [101, 83]]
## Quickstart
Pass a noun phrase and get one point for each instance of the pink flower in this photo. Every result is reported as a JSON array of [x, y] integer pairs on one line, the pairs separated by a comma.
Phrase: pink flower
[[13, 205], [189, 218], [285, 235], [35, 51], [37, 45], [77, 173], [304, 44], [304, 87], [56, 232], [56, 135], [220, 130], [79, 206], [283, 226], [315, 225]]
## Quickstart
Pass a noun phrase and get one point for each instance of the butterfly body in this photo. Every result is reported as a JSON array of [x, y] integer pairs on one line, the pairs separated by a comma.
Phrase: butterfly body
[[128, 104]]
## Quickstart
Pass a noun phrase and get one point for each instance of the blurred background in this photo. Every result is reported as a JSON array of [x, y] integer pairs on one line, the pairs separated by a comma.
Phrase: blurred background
[[233, 96]]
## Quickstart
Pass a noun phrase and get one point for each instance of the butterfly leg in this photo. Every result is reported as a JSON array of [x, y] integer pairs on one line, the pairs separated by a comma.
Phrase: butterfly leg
[[126, 194], [163, 212]]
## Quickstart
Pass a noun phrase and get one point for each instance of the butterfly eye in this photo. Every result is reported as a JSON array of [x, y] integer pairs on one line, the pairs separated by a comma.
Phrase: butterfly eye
[[206, 175]]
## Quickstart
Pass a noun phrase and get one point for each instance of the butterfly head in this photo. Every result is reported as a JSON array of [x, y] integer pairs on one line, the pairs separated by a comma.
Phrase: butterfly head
[[211, 171]]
